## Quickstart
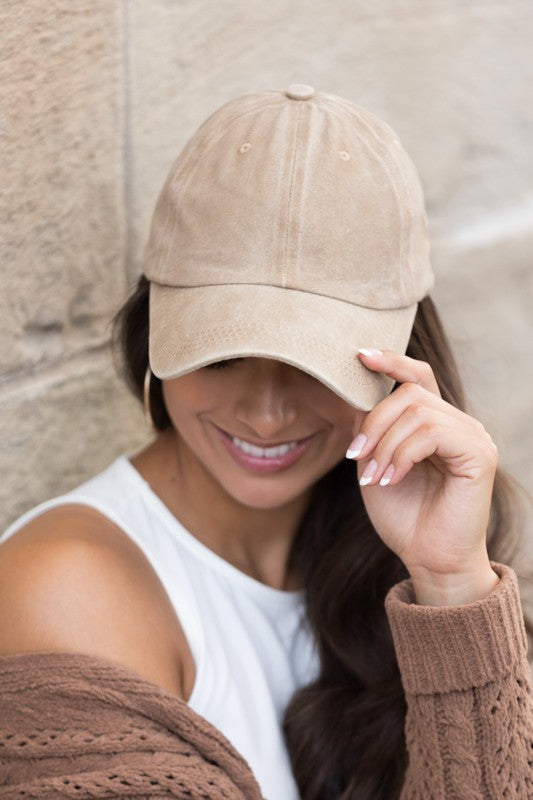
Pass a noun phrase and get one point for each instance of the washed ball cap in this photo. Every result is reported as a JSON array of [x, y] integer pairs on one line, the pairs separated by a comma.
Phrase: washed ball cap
[[291, 226]]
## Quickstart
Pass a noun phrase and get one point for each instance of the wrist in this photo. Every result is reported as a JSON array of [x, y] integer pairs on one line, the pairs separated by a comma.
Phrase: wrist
[[433, 589]]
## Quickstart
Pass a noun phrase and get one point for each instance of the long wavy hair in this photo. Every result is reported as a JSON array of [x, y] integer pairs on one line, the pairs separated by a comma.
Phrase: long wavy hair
[[345, 731]]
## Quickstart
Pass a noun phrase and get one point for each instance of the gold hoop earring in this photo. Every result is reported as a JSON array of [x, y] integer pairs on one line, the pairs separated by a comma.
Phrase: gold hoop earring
[[146, 398]]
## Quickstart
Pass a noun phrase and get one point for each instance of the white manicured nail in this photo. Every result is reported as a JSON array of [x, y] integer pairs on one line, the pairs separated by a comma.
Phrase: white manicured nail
[[387, 475], [356, 446], [368, 472], [367, 351]]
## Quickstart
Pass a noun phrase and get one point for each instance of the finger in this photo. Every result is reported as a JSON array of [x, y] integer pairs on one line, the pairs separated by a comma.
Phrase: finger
[[412, 396], [400, 367], [404, 427], [463, 453]]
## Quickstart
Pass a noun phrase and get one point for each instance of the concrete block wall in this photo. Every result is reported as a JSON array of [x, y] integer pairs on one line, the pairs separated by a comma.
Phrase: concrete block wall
[[99, 97]]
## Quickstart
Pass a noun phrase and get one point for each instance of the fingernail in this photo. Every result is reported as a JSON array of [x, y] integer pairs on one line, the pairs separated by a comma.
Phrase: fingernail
[[356, 446], [387, 475], [368, 351], [368, 472]]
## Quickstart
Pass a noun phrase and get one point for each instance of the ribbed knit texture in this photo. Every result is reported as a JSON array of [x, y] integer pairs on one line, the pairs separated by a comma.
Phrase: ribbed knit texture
[[77, 726], [467, 681]]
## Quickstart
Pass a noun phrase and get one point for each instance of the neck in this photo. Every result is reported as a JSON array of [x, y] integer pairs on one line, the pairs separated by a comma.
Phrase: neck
[[256, 541]]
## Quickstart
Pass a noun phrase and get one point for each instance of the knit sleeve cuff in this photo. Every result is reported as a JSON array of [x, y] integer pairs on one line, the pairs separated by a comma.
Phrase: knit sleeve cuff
[[447, 648]]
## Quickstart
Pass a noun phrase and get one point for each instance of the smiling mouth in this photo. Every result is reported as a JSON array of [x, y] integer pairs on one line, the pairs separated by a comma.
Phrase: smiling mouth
[[265, 460], [263, 452], [260, 451]]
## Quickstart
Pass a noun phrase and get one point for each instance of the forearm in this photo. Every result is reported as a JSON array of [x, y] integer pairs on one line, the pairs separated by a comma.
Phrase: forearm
[[467, 681], [473, 743]]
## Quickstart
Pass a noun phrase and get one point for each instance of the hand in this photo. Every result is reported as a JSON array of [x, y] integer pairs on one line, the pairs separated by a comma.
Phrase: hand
[[438, 465]]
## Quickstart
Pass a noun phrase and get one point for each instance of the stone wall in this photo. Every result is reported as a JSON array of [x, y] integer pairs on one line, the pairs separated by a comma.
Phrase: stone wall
[[99, 97]]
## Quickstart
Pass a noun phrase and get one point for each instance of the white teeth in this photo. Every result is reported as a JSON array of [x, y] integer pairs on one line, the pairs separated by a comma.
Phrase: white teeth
[[263, 452]]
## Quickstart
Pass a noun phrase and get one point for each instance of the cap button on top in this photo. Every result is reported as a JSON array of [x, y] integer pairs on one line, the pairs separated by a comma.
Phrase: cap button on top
[[299, 91]]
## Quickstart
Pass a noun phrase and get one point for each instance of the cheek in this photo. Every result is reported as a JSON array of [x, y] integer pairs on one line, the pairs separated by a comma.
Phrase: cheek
[[182, 396], [341, 415], [171, 396], [193, 394], [348, 419]]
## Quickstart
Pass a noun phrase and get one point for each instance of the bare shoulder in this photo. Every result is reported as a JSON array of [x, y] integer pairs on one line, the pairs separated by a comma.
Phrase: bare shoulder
[[71, 580]]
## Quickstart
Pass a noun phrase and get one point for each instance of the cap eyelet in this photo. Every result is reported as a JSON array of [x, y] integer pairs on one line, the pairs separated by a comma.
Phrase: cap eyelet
[[244, 147], [344, 155]]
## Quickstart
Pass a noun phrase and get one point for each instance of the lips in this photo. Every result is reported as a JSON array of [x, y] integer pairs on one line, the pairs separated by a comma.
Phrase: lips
[[263, 452], [260, 464], [264, 445]]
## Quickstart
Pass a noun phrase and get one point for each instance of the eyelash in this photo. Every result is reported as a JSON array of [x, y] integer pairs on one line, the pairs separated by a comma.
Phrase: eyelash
[[220, 364]]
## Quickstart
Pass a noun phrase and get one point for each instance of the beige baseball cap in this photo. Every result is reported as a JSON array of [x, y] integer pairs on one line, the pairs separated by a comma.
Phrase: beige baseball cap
[[291, 226]]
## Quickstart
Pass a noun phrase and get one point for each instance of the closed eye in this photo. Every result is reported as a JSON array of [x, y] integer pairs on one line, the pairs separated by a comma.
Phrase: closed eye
[[220, 364]]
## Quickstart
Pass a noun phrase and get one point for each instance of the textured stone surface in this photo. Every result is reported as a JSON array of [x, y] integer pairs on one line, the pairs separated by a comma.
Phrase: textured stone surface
[[60, 428], [62, 219]]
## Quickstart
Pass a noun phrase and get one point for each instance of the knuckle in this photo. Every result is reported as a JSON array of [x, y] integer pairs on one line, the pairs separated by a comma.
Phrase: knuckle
[[430, 430], [401, 457], [486, 438], [409, 389], [492, 451], [416, 410], [426, 369], [479, 425]]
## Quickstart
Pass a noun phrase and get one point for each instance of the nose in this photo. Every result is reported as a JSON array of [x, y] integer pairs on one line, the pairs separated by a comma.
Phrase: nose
[[268, 405]]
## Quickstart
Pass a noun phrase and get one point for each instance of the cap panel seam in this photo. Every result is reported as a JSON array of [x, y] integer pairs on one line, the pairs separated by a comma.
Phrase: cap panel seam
[[287, 289], [282, 269], [393, 177]]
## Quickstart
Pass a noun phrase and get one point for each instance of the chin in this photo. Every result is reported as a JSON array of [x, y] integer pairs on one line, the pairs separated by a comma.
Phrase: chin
[[264, 497]]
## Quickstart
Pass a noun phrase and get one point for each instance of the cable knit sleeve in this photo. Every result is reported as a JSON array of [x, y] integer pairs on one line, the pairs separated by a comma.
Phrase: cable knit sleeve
[[467, 680]]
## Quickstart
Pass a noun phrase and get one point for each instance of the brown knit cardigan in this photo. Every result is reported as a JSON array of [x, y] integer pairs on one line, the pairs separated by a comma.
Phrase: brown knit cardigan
[[78, 726]]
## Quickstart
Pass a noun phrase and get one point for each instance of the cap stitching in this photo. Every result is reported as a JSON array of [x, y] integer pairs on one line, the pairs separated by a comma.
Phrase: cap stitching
[[289, 202], [212, 335]]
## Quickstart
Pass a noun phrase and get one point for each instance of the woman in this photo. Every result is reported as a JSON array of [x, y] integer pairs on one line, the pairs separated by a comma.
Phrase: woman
[[347, 629]]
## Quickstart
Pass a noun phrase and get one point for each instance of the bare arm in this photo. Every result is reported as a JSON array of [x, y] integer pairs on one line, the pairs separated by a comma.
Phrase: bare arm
[[68, 583]]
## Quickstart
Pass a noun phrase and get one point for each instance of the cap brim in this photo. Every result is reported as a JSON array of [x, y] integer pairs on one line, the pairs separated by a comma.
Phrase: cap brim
[[192, 327]]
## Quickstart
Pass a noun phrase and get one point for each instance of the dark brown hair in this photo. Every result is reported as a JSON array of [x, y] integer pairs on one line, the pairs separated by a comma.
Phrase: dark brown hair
[[345, 731]]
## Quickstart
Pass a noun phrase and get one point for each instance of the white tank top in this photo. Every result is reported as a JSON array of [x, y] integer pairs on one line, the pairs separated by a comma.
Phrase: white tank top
[[251, 643]]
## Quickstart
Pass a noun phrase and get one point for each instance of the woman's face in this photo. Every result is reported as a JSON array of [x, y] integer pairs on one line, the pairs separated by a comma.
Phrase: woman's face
[[264, 403]]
